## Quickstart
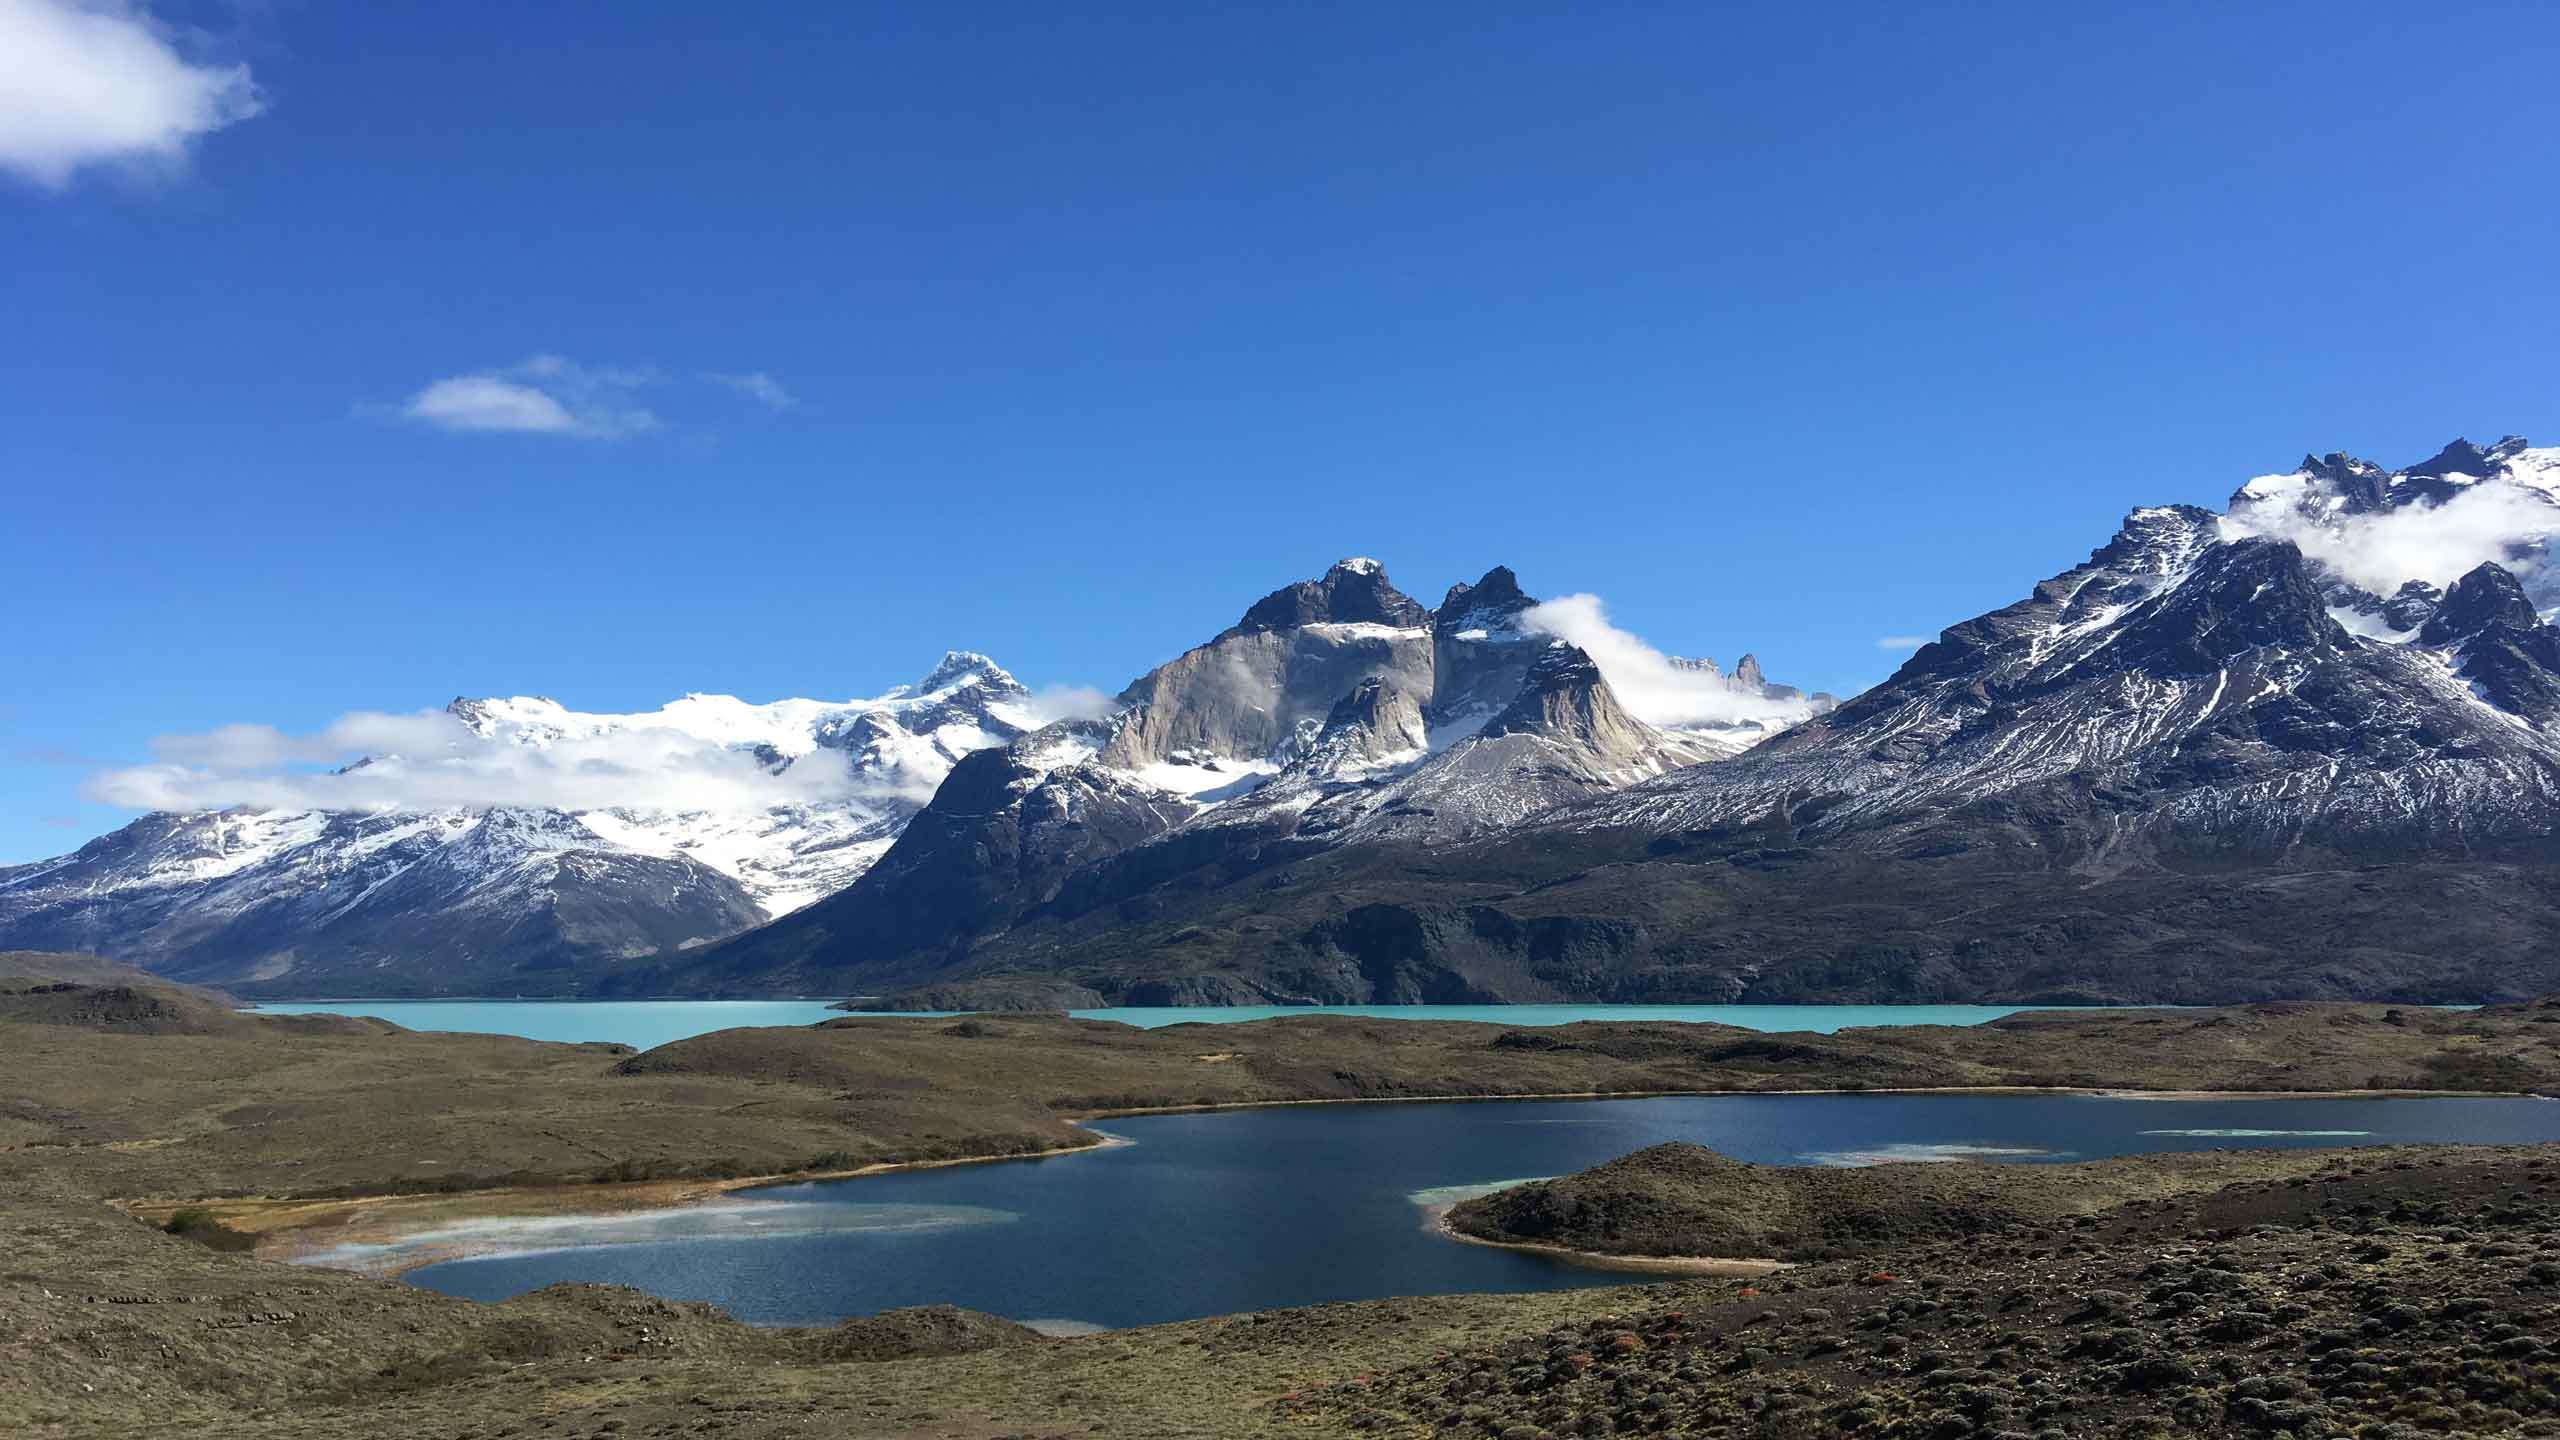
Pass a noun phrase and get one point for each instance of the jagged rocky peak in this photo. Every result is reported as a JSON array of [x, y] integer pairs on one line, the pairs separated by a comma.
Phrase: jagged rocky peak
[[1256, 692], [2158, 540], [2338, 486], [1746, 671], [1354, 592], [1564, 697], [1478, 650], [963, 667], [2464, 458], [2487, 596], [1490, 604], [2359, 483]]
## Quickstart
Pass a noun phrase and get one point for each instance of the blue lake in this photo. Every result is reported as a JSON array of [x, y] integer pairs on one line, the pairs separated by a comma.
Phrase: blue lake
[[1210, 1214], [646, 1023]]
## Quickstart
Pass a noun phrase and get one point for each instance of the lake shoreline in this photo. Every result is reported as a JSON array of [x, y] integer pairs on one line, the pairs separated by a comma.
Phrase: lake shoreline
[[358, 1220], [292, 1231], [1437, 1217]]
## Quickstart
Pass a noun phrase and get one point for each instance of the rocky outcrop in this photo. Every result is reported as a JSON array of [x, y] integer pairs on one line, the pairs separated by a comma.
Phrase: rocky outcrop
[[1564, 738], [1259, 684]]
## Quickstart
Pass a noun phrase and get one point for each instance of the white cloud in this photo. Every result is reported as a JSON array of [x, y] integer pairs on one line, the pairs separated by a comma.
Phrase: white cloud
[[1053, 703], [98, 82], [1646, 681], [485, 402], [758, 386], [2434, 543], [1902, 642], [554, 395], [544, 395], [429, 760]]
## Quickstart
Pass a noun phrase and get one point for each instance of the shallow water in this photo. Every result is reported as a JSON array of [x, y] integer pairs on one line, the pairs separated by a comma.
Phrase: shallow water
[[1210, 1214], [647, 1023]]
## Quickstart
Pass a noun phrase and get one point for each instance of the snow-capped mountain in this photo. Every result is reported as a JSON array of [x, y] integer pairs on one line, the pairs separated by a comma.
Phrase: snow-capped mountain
[[1337, 711], [2308, 746], [491, 851], [894, 750], [464, 898]]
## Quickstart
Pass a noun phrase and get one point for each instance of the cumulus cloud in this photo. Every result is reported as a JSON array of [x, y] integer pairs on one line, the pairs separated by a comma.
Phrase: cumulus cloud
[[429, 760], [1902, 642], [100, 82], [1648, 682], [2435, 543], [758, 386], [544, 395]]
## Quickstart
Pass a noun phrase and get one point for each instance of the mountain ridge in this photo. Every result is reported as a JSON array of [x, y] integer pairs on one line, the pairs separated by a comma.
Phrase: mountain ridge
[[2174, 772], [552, 899], [2250, 754]]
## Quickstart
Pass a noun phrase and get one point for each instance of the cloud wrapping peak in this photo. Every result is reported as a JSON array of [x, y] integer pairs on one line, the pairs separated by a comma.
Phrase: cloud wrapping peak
[[97, 82], [2438, 544], [428, 760], [1647, 682]]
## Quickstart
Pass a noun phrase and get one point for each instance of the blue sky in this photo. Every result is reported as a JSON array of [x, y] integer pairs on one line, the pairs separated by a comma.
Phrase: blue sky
[[1781, 328]]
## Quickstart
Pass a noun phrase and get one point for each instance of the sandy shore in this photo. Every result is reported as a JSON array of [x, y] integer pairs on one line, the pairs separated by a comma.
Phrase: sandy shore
[[294, 1231]]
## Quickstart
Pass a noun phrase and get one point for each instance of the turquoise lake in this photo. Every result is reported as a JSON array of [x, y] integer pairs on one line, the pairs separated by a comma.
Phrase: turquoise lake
[[647, 1023]]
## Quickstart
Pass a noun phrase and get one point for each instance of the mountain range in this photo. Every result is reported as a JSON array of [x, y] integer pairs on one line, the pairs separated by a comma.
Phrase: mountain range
[[518, 899], [2301, 747]]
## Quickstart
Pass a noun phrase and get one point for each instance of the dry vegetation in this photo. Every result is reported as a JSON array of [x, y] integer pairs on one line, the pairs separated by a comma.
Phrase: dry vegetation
[[115, 1088]]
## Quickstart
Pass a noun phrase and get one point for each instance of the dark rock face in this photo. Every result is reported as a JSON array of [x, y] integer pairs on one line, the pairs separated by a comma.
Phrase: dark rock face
[[1479, 654], [1001, 837], [2500, 646], [1353, 592], [1496, 596], [2487, 596]]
